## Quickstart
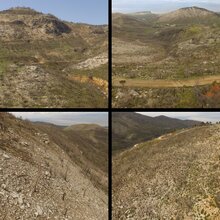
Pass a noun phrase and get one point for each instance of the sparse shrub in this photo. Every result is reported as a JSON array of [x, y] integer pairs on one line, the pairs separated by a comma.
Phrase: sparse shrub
[[122, 82], [193, 30]]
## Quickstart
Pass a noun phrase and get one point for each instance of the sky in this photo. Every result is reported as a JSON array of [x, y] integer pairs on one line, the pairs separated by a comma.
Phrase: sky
[[83, 11], [198, 116], [66, 118], [162, 6]]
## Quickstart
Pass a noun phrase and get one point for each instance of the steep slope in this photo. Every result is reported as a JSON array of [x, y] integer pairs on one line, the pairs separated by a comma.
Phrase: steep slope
[[17, 23], [175, 176], [130, 128], [40, 55], [86, 145], [38, 179]]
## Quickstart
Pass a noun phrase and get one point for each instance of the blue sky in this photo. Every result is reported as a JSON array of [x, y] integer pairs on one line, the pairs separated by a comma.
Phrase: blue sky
[[66, 118], [84, 11], [161, 6], [198, 116]]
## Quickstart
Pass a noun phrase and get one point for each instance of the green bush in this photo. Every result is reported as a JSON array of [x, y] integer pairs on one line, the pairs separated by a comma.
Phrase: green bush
[[193, 30]]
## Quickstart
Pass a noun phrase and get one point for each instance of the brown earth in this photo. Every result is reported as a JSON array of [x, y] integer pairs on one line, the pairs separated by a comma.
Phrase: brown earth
[[142, 83]]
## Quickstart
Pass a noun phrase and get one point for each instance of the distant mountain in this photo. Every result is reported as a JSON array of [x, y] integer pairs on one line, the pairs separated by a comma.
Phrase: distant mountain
[[83, 127], [141, 13], [189, 14], [167, 120], [130, 128], [183, 16]]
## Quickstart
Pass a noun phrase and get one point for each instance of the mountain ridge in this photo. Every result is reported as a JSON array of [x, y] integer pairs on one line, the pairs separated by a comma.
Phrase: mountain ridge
[[187, 13], [180, 15], [84, 126], [130, 128]]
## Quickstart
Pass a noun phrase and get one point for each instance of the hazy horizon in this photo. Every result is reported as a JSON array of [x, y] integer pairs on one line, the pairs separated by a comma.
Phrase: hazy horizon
[[65, 118], [162, 6], [197, 116]]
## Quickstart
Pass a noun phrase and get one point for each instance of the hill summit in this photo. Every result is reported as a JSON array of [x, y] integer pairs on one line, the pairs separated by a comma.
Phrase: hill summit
[[21, 10], [26, 23], [187, 13]]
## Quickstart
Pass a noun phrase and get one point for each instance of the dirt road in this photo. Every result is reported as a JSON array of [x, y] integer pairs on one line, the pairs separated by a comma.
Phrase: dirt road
[[142, 83]]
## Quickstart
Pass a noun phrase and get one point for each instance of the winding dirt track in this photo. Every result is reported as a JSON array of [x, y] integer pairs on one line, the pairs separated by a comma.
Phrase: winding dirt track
[[142, 83]]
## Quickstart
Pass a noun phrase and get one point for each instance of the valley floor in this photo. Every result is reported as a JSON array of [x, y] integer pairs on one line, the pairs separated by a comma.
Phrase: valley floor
[[142, 83]]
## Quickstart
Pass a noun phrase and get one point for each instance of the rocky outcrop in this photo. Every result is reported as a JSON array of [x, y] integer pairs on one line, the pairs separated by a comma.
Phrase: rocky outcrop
[[50, 25], [30, 24], [93, 62]]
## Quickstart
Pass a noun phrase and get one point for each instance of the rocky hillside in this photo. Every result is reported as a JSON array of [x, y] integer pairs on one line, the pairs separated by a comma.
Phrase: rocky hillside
[[149, 50], [175, 176], [187, 14], [129, 128], [53, 49], [38, 178], [33, 86], [17, 23], [86, 145]]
